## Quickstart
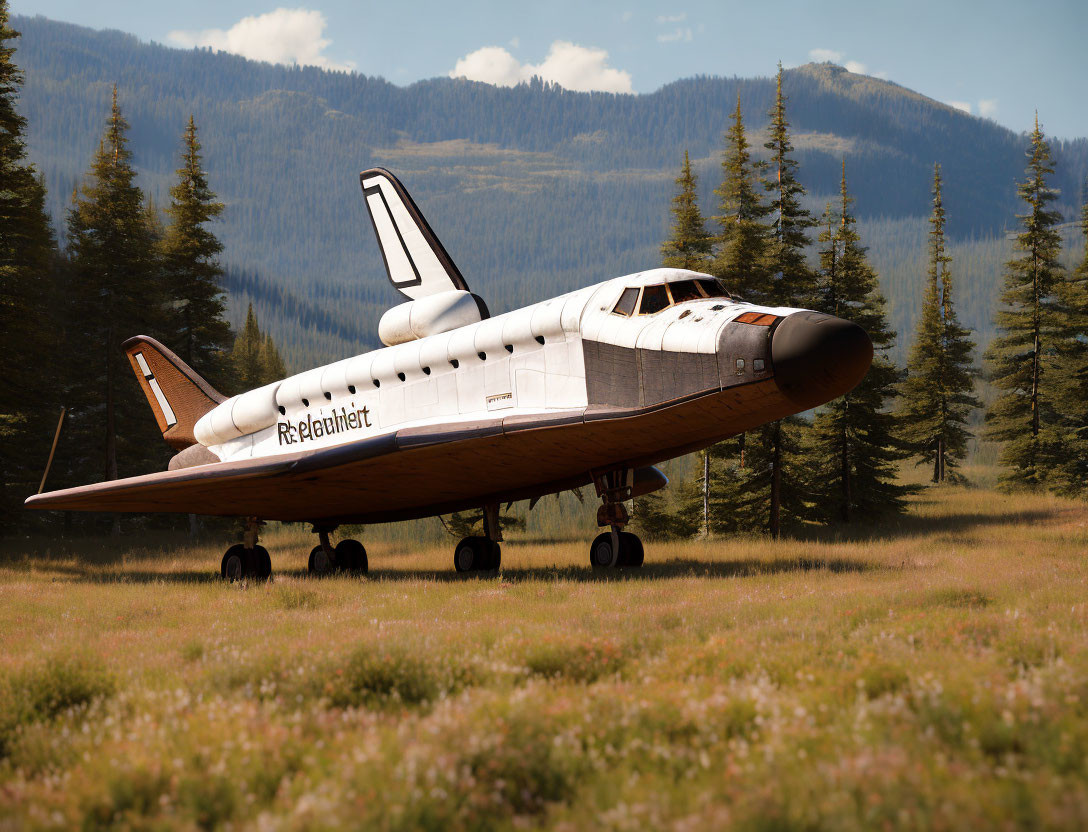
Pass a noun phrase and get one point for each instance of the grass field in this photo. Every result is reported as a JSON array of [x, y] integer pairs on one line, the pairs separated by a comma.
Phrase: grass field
[[929, 674]]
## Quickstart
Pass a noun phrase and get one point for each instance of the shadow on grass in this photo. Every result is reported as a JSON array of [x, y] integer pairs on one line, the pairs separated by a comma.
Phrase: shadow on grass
[[680, 568], [913, 525]]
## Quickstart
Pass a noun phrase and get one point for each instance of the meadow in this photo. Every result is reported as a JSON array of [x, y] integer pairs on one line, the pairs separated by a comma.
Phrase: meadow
[[928, 673]]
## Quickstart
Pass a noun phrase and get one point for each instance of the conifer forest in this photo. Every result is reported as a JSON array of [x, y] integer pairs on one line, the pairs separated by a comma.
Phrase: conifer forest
[[870, 615], [976, 310]]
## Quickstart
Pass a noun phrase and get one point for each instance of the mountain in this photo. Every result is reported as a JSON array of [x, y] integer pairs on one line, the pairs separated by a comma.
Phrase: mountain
[[534, 190]]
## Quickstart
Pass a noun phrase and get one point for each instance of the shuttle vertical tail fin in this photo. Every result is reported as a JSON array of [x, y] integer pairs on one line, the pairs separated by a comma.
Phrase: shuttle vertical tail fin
[[417, 263], [177, 395]]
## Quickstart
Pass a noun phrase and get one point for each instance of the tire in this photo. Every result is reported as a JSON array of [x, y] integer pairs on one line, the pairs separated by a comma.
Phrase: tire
[[319, 563], [261, 563], [351, 556], [601, 555], [236, 563], [631, 551], [467, 556], [492, 560]]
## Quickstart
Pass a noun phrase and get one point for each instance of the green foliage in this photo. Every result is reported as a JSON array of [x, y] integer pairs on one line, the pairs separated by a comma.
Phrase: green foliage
[[41, 692], [1024, 360], [654, 519], [689, 245], [740, 260], [189, 252], [29, 283], [854, 447], [391, 676], [1069, 473], [116, 292], [468, 523], [937, 395], [574, 661], [254, 358], [792, 282]]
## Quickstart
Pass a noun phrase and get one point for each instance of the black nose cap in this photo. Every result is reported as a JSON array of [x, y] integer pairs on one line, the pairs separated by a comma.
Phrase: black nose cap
[[818, 357]]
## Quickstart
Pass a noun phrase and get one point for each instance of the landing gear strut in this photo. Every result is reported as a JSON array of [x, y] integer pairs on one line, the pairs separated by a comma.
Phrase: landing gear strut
[[478, 554], [247, 559], [615, 547], [347, 556]]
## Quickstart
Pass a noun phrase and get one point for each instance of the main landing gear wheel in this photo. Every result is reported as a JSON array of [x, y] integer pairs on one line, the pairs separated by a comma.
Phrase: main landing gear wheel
[[477, 554], [351, 556], [320, 562], [240, 563], [602, 556]]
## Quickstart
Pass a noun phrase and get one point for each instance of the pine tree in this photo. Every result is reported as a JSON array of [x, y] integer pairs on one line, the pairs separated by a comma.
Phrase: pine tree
[[938, 393], [272, 366], [28, 274], [1023, 360], [116, 293], [790, 283], [854, 449], [741, 258], [689, 245], [1070, 473], [190, 252], [254, 359], [793, 283]]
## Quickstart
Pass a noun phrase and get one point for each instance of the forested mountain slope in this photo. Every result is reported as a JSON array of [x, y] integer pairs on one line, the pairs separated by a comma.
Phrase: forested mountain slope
[[534, 190]]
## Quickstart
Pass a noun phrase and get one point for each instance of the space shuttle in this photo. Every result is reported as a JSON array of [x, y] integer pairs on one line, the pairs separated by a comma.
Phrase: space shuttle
[[464, 410]]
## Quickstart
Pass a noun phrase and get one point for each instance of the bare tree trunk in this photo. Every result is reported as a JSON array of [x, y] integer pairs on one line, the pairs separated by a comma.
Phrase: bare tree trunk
[[706, 492], [111, 433], [844, 473], [774, 525]]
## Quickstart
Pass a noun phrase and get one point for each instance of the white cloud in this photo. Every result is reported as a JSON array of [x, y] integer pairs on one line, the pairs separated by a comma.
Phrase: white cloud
[[960, 105], [283, 36], [515, 42], [825, 55], [681, 34], [856, 67], [672, 18], [882, 75], [573, 67], [987, 107]]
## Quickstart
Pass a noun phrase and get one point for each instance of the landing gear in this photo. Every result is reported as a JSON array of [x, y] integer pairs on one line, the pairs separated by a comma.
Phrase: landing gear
[[481, 554], [616, 547], [603, 555], [247, 560], [347, 556], [477, 554]]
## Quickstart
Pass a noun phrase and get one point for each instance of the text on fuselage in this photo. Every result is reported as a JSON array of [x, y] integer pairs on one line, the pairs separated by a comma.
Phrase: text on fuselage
[[310, 428]]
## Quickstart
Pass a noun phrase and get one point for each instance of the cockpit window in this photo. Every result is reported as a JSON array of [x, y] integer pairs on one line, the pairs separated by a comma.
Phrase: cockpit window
[[654, 299], [684, 290], [626, 304], [712, 288]]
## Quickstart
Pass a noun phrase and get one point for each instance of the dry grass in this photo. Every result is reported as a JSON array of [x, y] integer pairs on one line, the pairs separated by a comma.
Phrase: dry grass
[[932, 673]]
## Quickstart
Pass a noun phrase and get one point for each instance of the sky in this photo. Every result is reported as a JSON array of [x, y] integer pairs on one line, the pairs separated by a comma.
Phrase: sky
[[997, 59]]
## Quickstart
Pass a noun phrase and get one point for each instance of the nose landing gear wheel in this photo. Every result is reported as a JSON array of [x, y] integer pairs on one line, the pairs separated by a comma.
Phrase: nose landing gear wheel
[[631, 552], [351, 556], [476, 554]]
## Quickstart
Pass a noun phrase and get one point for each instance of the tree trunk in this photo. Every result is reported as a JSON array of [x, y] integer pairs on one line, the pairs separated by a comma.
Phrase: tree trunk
[[706, 492], [937, 462], [774, 526], [111, 435], [844, 474]]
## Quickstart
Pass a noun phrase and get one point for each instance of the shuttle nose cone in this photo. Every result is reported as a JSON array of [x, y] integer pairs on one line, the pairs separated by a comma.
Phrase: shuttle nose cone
[[817, 357]]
